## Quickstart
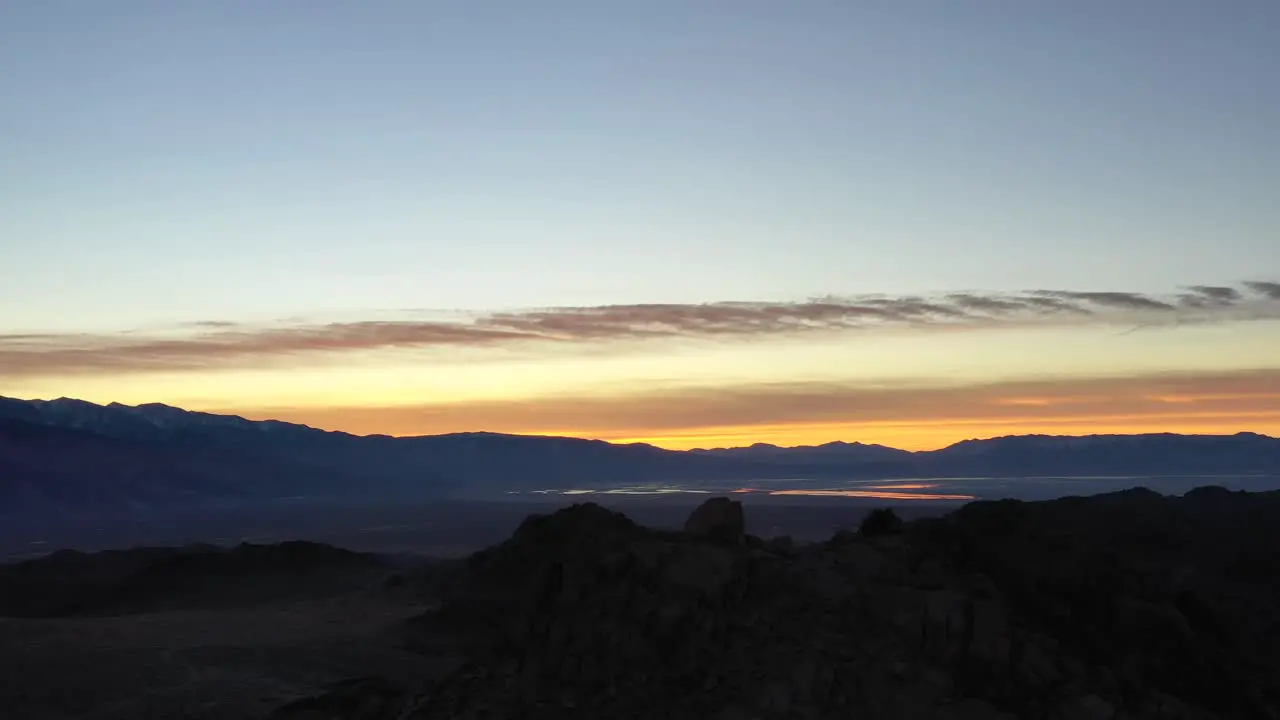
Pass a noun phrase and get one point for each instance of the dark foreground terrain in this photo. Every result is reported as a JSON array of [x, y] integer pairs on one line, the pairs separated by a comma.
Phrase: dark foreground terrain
[[1127, 605], [198, 631]]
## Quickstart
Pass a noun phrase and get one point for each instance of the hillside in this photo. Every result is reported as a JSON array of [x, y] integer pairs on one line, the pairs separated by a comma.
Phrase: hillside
[[1129, 605], [196, 632], [68, 583]]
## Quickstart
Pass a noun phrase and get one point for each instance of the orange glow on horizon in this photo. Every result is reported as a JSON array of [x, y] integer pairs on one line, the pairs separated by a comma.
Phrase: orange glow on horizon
[[910, 417], [924, 435], [909, 434]]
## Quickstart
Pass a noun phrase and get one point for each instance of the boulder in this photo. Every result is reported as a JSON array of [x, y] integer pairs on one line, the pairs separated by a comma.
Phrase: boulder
[[719, 518]]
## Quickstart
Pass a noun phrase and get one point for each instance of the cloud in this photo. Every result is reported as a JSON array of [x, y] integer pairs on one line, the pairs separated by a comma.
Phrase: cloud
[[50, 354], [985, 304], [1267, 289], [1228, 401], [1109, 300], [216, 343], [214, 324], [1210, 296]]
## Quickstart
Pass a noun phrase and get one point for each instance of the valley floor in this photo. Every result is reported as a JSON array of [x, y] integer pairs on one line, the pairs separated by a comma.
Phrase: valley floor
[[205, 664], [446, 528]]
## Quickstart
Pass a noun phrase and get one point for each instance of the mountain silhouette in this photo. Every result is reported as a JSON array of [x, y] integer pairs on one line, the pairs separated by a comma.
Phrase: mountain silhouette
[[66, 455]]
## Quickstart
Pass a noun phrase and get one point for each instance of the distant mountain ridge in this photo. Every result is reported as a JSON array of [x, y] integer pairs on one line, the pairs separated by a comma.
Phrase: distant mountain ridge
[[832, 452], [67, 455]]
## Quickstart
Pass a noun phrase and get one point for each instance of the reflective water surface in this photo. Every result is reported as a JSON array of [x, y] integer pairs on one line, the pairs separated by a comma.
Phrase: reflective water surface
[[937, 490]]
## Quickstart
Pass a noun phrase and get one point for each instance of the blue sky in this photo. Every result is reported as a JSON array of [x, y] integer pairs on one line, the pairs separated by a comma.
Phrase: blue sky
[[247, 159], [319, 172]]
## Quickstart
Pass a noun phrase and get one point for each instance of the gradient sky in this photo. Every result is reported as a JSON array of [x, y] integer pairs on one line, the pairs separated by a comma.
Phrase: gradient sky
[[930, 220]]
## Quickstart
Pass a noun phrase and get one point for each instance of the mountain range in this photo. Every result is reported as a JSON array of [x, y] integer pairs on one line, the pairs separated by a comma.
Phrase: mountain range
[[63, 455]]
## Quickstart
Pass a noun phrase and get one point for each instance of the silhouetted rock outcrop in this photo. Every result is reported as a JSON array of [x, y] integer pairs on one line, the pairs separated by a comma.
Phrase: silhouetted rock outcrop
[[718, 519], [1131, 605], [880, 522]]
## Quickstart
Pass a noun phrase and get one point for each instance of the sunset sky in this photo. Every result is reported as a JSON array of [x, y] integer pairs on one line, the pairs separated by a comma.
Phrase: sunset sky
[[692, 223]]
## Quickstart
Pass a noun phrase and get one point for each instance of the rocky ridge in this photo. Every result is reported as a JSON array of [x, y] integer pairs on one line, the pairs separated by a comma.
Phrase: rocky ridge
[[1109, 607]]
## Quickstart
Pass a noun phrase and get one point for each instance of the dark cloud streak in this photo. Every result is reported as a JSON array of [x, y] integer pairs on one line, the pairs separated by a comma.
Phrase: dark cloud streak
[[226, 344], [1209, 296], [1110, 300], [1267, 289]]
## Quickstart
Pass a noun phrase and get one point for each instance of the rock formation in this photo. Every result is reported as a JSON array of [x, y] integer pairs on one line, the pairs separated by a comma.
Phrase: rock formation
[[1131, 605], [719, 519]]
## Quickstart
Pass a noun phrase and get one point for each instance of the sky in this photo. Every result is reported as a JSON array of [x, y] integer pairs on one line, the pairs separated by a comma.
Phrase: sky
[[692, 223]]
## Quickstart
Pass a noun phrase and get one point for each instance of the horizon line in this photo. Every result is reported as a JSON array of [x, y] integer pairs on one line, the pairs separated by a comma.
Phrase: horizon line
[[629, 443]]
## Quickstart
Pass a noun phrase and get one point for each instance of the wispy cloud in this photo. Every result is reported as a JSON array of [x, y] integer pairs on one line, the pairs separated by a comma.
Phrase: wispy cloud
[[1267, 289], [216, 343], [1113, 300]]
